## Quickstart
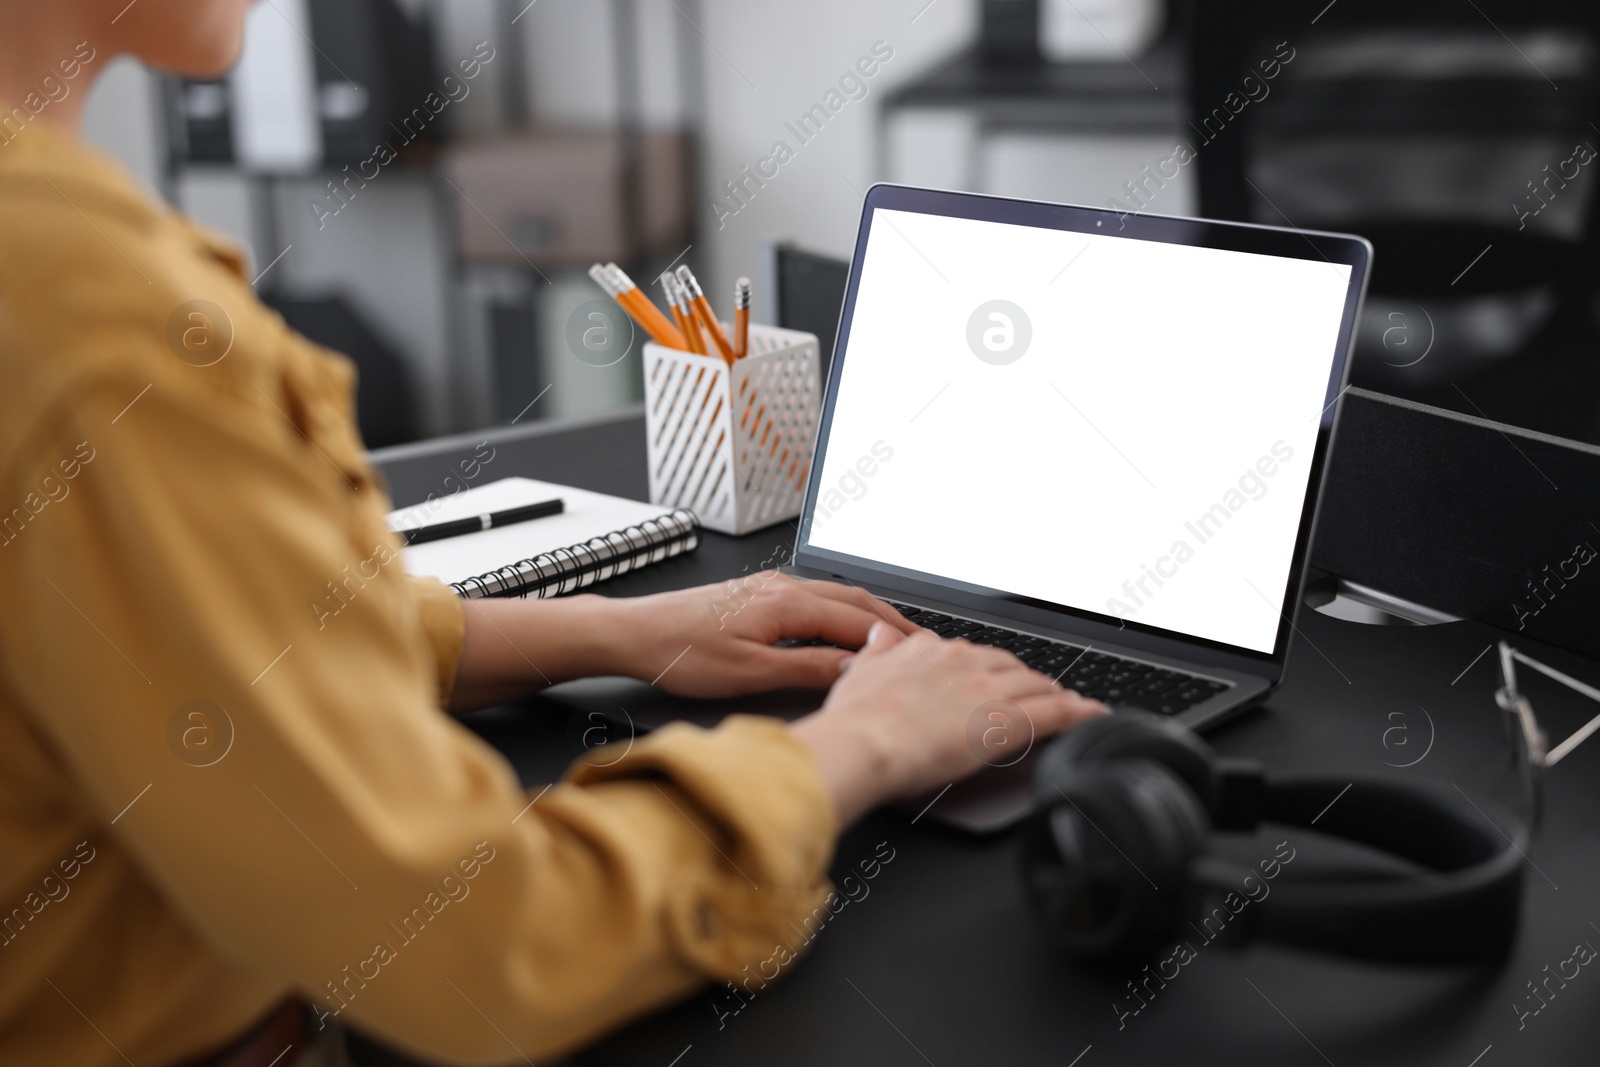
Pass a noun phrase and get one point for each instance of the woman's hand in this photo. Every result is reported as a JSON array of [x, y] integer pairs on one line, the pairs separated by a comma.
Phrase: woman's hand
[[718, 640], [913, 714], [714, 641]]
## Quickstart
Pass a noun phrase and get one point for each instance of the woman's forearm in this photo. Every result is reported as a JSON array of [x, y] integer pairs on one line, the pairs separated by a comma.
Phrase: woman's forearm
[[511, 647]]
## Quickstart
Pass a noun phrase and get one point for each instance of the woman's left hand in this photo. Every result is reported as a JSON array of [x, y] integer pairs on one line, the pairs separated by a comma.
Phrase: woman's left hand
[[718, 640]]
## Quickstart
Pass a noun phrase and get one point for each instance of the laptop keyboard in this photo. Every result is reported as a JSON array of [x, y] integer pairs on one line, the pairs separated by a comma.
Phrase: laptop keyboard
[[1097, 675]]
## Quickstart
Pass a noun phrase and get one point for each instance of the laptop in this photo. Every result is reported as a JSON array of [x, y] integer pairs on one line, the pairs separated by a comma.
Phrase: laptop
[[1096, 439]]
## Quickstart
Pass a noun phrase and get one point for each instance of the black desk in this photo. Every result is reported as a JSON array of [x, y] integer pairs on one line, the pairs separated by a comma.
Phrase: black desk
[[941, 964]]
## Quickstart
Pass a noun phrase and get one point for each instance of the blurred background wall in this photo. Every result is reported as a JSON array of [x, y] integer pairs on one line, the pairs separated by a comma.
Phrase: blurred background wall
[[527, 140]]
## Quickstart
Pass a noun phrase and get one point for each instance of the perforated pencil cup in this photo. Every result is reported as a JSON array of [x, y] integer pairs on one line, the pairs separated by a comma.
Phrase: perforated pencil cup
[[733, 443]]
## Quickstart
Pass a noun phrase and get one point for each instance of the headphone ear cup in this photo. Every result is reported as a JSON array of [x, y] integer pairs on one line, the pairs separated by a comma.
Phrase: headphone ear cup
[[1124, 736], [1104, 866]]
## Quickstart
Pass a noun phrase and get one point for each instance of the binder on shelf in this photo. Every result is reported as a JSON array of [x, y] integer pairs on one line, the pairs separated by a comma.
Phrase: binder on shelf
[[321, 83], [374, 67], [204, 122], [273, 91]]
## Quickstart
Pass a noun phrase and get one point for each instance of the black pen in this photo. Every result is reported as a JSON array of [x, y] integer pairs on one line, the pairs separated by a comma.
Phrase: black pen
[[456, 527]]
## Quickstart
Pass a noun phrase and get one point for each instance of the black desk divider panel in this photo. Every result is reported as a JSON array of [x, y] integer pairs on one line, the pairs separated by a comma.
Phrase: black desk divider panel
[[1472, 517], [1476, 518]]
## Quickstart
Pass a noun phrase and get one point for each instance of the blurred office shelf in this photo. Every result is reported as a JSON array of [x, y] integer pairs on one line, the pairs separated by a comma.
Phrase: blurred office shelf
[[1076, 132], [1095, 93], [532, 210], [570, 197], [436, 248]]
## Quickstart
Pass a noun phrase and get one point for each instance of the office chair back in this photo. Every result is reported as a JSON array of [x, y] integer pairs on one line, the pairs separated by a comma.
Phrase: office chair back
[[1436, 129], [1380, 67], [809, 295]]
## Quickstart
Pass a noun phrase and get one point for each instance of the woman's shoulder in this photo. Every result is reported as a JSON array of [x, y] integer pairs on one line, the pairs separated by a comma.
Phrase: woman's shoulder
[[100, 282], [107, 293]]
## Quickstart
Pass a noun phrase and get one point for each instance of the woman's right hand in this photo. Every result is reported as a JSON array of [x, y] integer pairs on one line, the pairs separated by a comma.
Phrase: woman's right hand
[[912, 714]]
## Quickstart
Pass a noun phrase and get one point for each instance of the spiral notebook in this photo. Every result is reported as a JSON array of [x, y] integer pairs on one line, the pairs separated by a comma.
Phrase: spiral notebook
[[595, 537]]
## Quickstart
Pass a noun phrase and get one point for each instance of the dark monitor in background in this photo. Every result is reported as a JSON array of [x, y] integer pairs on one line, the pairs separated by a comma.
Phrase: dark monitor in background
[[809, 292]]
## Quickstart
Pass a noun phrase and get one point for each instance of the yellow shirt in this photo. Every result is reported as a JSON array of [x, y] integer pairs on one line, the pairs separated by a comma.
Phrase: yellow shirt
[[214, 793]]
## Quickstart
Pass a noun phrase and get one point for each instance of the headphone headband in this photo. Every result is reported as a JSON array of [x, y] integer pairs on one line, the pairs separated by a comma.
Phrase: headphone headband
[[1452, 864], [1470, 874]]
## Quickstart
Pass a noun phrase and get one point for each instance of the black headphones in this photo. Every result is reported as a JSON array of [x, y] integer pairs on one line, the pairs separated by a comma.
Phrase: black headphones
[[1116, 860]]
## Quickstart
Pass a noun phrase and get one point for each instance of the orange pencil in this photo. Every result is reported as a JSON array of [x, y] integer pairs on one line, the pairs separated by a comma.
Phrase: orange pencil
[[741, 318], [702, 310], [603, 278], [669, 287], [635, 303], [691, 326], [632, 298]]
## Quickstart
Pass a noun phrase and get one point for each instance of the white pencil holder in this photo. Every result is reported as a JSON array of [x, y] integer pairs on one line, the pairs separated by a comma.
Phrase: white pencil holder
[[733, 443]]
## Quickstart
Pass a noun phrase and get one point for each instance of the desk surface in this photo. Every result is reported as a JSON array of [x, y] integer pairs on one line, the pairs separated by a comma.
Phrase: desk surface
[[938, 962]]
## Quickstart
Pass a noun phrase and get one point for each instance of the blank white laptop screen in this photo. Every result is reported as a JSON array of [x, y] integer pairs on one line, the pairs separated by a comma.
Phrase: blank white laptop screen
[[1113, 425]]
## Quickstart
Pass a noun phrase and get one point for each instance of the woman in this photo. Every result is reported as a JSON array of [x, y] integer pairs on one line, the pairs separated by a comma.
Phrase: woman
[[350, 855]]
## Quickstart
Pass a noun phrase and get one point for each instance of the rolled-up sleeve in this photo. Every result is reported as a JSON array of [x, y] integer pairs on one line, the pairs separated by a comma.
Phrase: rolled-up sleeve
[[751, 783], [340, 835], [444, 625]]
